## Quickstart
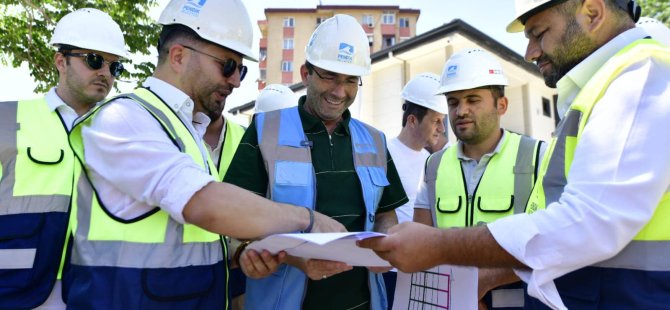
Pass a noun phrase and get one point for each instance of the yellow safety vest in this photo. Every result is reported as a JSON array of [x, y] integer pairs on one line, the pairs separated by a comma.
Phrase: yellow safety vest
[[502, 190], [560, 153], [36, 181], [153, 241], [231, 141]]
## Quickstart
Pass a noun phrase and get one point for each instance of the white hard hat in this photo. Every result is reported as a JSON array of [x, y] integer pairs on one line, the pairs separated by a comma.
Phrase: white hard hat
[[656, 29], [524, 9], [275, 97], [421, 90], [340, 45], [471, 68], [223, 22], [91, 29]]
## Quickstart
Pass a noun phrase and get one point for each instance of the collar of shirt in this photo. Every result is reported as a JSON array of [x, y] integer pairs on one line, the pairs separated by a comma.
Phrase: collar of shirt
[[54, 102], [573, 82], [179, 102], [311, 123], [461, 155]]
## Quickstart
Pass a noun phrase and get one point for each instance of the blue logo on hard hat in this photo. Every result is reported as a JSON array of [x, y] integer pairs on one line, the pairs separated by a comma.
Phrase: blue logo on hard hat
[[345, 53], [451, 71], [193, 7]]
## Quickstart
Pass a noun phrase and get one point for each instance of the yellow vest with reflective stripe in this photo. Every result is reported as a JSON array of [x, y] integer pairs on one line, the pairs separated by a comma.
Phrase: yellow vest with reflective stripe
[[502, 190], [151, 227], [36, 181], [44, 160], [558, 158]]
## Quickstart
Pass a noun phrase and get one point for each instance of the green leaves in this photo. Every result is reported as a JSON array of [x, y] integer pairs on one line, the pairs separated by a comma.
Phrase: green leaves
[[27, 25], [658, 9]]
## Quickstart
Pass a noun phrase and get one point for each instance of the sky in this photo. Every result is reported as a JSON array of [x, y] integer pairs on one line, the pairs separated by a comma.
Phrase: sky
[[489, 16]]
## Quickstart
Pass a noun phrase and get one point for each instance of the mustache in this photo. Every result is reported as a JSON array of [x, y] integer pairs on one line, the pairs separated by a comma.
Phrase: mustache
[[103, 80]]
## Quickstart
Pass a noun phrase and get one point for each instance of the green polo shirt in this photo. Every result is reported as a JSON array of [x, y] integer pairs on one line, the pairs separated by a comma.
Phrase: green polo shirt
[[338, 195]]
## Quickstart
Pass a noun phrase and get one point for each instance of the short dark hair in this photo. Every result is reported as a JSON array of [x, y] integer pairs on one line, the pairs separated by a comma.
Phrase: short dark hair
[[309, 66], [411, 108], [171, 33], [497, 91]]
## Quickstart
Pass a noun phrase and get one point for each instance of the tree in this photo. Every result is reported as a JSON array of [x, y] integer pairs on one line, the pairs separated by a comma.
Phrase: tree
[[658, 9], [27, 25]]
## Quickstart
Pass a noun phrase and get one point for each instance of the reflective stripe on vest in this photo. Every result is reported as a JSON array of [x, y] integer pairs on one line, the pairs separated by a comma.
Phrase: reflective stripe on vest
[[36, 180], [650, 247], [231, 141], [153, 240], [502, 190], [291, 179]]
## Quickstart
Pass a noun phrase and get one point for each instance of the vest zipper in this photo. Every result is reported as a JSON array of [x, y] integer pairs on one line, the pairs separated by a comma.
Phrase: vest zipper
[[330, 140]]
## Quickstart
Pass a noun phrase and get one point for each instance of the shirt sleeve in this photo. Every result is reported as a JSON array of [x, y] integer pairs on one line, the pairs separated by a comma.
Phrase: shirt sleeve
[[247, 169], [619, 173], [135, 166], [394, 195]]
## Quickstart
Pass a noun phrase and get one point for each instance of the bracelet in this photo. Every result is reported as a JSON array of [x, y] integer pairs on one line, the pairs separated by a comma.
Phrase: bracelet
[[311, 221], [239, 250]]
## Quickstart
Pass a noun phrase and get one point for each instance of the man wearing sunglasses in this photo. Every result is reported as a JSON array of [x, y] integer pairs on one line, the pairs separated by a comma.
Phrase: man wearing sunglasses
[[152, 213], [36, 176], [318, 156]]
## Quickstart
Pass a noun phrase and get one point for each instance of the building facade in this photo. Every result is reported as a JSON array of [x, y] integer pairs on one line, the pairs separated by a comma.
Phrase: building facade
[[285, 32]]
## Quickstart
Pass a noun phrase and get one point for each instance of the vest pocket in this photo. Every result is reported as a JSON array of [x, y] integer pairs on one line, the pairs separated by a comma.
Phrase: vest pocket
[[449, 204], [45, 156], [495, 204], [175, 284], [291, 183], [378, 176], [19, 240]]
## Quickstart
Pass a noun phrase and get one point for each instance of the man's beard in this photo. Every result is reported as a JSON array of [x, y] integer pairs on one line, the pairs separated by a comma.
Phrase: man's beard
[[573, 47]]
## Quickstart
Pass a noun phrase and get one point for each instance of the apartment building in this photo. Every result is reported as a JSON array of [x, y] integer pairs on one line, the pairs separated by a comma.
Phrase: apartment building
[[285, 32]]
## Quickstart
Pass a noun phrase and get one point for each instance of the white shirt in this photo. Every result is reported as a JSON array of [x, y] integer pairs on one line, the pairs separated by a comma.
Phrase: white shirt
[[134, 165], [472, 171], [214, 153], [619, 173], [55, 103], [409, 164]]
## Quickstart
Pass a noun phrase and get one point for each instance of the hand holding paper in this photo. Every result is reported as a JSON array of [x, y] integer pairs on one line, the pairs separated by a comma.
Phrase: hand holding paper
[[339, 247]]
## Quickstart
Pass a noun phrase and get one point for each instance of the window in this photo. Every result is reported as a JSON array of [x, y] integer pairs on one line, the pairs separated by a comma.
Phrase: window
[[288, 44], [388, 41], [287, 66], [369, 20], [388, 18], [371, 39], [262, 54], [262, 75], [289, 22], [319, 20], [404, 22], [546, 107]]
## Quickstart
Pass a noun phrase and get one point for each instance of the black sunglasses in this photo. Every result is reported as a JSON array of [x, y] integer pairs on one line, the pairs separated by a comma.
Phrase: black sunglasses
[[95, 62], [229, 65]]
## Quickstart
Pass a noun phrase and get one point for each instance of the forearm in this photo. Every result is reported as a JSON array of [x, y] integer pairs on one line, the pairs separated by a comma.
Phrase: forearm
[[232, 211], [384, 221], [473, 246], [423, 216]]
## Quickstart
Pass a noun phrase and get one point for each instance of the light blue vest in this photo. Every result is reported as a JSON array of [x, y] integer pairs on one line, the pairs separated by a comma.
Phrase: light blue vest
[[291, 179]]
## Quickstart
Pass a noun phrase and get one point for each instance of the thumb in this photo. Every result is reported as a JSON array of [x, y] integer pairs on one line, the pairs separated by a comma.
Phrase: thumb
[[375, 243]]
